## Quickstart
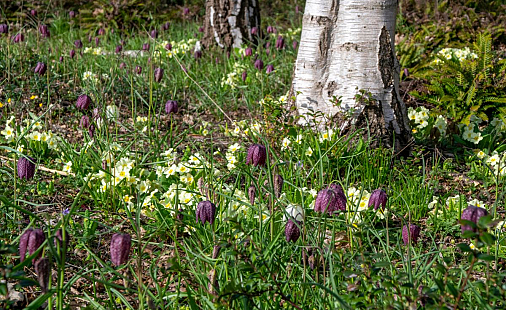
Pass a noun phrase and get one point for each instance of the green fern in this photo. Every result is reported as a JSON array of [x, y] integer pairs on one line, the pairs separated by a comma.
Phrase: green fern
[[473, 86]]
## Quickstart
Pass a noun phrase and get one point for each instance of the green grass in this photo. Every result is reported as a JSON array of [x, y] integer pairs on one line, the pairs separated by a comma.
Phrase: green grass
[[355, 259]]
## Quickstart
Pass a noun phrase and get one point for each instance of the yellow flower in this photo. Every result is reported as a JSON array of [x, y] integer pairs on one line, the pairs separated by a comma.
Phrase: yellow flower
[[1, 105]]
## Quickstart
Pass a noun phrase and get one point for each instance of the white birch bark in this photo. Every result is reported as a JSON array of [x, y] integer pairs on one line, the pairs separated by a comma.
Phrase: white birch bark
[[347, 46]]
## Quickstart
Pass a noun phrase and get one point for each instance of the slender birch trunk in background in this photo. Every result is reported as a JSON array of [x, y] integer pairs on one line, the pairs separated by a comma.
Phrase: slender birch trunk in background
[[228, 23], [346, 47]]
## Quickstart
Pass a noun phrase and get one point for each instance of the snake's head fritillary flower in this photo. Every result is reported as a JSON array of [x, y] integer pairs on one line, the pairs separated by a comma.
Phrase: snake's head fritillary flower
[[259, 64], [158, 74], [292, 231], [44, 31], [280, 43], [378, 199], [43, 271], [26, 168], [257, 155], [30, 241], [83, 102], [472, 214], [410, 235], [206, 212], [171, 106], [120, 248], [330, 199]]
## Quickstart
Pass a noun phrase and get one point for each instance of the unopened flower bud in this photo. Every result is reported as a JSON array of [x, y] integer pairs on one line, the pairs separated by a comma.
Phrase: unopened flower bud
[[259, 64], [278, 185], [252, 194]]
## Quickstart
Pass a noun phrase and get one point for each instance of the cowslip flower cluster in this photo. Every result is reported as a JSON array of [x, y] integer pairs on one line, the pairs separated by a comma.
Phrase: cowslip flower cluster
[[234, 77], [456, 53], [496, 161], [231, 155], [469, 133], [177, 48], [94, 51], [418, 117], [46, 138], [90, 76]]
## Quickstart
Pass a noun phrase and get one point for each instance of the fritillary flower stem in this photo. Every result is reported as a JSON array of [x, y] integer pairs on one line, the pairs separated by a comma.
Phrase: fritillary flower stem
[[132, 96], [271, 185], [48, 94], [150, 98], [9, 63], [139, 260], [62, 251]]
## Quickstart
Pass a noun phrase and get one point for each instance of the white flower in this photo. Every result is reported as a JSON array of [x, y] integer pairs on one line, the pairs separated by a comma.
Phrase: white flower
[[309, 151], [433, 203], [160, 170], [293, 212], [285, 143], [298, 139], [35, 136], [128, 200], [327, 135], [440, 124], [112, 112], [234, 147], [121, 172], [452, 202], [480, 154], [9, 133], [493, 160], [477, 203], [143, 186], [185, 197], [170, 170], [194, 159], [181, 168], [68, 167]]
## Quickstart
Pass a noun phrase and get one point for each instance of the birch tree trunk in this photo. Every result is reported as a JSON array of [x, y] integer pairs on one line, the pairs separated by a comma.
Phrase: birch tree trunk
[[347, 48], [228, 23]]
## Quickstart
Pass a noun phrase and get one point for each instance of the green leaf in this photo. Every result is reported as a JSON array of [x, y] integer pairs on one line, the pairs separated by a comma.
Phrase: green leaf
[[486, 257], [464, 247], [487, 238], [453, 290]]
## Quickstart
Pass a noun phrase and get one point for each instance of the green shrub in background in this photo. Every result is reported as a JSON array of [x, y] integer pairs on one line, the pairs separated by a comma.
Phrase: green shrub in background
[[464, 83]]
